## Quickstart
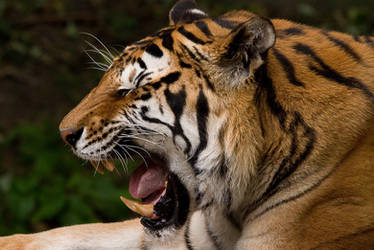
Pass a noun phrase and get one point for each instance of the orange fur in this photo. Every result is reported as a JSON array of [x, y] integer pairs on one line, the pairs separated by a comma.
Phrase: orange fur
[[310, 111]]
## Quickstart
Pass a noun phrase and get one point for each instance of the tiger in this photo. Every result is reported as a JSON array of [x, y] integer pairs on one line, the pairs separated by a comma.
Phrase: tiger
[[255, 134]]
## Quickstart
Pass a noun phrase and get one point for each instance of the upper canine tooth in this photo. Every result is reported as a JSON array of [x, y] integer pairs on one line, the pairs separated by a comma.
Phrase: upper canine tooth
[[145, 210], [109, 164], [98, 167]]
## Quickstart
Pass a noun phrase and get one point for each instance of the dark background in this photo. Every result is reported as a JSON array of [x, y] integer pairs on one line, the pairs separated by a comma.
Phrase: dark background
[[44, 73]]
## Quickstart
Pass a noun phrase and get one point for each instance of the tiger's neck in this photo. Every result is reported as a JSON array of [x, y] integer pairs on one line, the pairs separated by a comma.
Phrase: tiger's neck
[[289, 164]]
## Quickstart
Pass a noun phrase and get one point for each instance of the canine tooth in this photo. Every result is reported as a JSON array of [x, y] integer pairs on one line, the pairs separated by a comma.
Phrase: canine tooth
[[109, 164], [98, 167], [145, 210]]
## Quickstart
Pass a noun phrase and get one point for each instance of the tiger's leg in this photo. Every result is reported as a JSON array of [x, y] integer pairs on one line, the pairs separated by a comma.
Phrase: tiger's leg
[[121, 235]]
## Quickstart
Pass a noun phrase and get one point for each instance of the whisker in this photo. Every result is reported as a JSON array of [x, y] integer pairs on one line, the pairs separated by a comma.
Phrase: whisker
[[102, 44], [138, 138], [125, 151], [122, 161], [133, 150], [100, 52], [133, 146], [93, 60], [99, 64]]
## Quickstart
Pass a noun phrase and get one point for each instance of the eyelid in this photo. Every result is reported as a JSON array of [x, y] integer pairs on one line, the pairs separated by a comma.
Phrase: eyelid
[[123, 92]]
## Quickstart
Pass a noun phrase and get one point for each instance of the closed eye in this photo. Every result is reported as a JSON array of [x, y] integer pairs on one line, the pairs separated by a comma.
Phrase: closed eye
[[123, 92]]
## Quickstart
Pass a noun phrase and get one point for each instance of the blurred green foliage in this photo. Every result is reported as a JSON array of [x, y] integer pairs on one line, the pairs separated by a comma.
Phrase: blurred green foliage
[[43, 73], [45, 185]]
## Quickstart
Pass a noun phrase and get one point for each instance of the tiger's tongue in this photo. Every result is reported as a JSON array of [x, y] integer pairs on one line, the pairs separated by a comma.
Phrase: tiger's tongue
[[146, 180]]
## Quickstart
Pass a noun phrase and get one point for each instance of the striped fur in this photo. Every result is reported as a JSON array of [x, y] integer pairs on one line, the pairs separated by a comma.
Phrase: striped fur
[[274, 140]]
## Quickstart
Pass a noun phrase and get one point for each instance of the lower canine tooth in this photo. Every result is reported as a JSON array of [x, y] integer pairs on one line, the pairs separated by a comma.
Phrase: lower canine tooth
[[109, 164], [98, 167], [145, 210]]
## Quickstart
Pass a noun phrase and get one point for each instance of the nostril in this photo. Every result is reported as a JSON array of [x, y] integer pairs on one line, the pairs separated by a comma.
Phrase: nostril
[[71, 136]]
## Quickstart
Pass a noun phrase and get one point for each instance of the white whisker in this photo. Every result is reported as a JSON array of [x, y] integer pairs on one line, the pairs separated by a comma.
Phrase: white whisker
[[102, 44], [100, 52]]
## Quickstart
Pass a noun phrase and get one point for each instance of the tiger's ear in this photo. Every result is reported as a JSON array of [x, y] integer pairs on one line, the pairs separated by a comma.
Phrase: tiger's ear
[[242, 50], [185, 11]]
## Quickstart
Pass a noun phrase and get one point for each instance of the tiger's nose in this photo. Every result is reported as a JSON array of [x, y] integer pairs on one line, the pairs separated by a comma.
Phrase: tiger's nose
[[71, 136]]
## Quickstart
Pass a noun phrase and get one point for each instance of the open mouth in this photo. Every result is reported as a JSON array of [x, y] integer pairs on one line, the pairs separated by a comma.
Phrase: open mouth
[[162, 200]]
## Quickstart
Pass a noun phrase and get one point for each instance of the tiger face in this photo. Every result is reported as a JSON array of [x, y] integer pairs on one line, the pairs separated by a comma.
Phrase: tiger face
[[170, 99]]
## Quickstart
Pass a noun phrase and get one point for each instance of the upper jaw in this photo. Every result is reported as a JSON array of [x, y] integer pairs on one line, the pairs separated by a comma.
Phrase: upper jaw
[[172, 207]]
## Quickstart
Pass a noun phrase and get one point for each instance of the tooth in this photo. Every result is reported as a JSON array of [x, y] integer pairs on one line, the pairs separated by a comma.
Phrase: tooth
[[98, 167], [145, 210], [109, 164]]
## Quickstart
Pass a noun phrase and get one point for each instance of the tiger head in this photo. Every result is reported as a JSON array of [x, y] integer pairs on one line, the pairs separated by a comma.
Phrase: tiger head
[[183, 100]]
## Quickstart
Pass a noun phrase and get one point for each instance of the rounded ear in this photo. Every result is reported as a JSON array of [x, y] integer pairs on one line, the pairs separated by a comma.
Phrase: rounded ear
[[242, 52], [185, 11], [255, 36]]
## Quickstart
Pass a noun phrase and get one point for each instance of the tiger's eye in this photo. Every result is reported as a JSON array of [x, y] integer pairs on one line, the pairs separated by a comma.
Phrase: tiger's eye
[[123, 92]]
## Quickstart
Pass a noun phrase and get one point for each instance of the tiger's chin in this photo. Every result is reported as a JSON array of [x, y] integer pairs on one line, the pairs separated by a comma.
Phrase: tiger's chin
[[159, 196]]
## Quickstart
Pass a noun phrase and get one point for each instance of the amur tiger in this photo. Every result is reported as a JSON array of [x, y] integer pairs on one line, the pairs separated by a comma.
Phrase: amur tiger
[[256, 134]]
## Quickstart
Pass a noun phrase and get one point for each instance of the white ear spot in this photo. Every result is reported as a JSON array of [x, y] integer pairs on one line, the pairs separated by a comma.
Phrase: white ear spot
[[197, 12]]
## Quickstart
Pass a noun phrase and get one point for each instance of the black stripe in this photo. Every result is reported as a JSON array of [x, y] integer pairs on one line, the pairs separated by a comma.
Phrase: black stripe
[[202, 112], [167, 41], [144, 110], [227, 24], [292, 198], [162, 32], [288, 68], [292, 32], [200, 54], [369, 41], [203, 27], [222, 169], [292, 161], [184, 65], [144, 97], [342, 45], [206, 205], [156, 85], [271, 98], [192, 55], [233, 221], [190, 36], [176, 103], [140, 78], [199, 195], [331, 74], [187, 236], [171, 78], [289, 165], [154, 50], [141, 63], [197, 72], [227, 197], [209, 83], [356, 38]]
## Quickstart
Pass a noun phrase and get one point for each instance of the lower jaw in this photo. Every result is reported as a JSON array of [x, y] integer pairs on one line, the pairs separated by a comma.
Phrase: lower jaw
[[176, 213], [171, 210]]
